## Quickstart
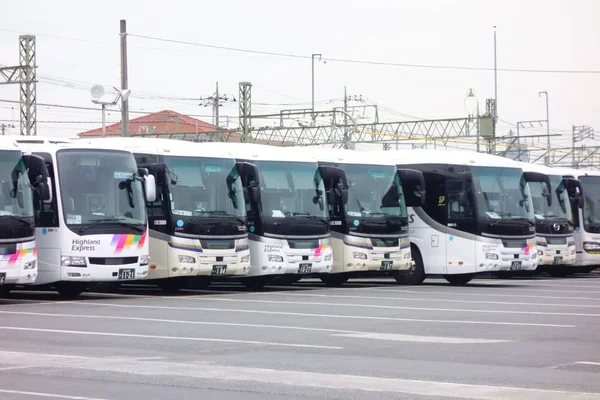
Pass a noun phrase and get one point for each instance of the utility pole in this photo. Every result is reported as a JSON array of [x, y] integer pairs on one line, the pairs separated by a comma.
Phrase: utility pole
[[215, 101], [124, 80], [495, 83], [245, 111], [4, 126], [547, 117], [313, 83], [345, 114]]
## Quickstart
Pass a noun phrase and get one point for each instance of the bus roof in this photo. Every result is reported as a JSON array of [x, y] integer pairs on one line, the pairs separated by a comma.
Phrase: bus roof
[[8, 143], [576, 173], [452, 157], [160, 146], [263, 152], [345, 156]]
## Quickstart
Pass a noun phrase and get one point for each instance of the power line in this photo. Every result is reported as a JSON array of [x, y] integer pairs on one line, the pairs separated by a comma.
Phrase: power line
[[382, 63]]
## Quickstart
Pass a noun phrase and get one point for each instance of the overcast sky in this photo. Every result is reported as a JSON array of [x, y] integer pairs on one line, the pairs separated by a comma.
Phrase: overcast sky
[[78, 45]]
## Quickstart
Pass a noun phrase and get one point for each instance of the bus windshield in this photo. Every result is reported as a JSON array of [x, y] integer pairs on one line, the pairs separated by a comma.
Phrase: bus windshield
[[13, 172], [204, 187], [98, 186], [591, 201], [560, 207], [502, 193], [290, 189], [374, 191]]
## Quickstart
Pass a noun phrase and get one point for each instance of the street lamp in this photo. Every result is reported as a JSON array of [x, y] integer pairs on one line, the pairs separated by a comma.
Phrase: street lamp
[[471, 104], [97, 92]]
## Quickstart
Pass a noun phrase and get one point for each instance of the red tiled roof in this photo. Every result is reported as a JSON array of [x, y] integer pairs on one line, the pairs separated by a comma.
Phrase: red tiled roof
[[162, 122]]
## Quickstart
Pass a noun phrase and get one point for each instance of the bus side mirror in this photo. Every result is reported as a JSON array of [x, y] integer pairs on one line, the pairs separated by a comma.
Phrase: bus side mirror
[[142, 172], [246, 196], [413, 178], [330, 196], [541, 178], [150, 188], [344, 195], [44, 189], [463, 199], [254, 192]]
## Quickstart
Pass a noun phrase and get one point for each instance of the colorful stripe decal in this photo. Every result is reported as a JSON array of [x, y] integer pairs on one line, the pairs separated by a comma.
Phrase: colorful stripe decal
[[126, 241], [320, 249], [13, 258], [242, 247]]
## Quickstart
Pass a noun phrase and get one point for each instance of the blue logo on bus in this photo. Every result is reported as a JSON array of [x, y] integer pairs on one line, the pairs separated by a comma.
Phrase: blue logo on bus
[[179, 223], [252, 228], [356, 223], [44, 231]]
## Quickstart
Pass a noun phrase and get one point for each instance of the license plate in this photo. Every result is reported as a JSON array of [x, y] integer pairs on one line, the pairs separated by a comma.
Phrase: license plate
[[127, 274], [515, 265], [557, 260], [2, 278], [304, 268], [219, 269], [386, 265]]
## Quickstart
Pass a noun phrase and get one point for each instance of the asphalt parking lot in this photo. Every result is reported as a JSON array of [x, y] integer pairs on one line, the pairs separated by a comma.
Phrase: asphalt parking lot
[[529, 338]]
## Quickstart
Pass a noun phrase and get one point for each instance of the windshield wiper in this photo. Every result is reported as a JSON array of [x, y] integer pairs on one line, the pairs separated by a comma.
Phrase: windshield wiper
[[17, 218], [309, 216], [222, 213], [114, 221]]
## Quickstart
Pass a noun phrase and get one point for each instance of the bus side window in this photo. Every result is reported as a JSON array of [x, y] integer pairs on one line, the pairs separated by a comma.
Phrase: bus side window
[[435, 200], [46, 215]]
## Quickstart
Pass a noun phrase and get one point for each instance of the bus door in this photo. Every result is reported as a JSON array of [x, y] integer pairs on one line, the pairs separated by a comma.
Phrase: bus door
[[461, 223]]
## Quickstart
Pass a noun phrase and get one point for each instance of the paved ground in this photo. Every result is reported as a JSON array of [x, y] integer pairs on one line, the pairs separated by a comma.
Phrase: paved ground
[[534, 338]]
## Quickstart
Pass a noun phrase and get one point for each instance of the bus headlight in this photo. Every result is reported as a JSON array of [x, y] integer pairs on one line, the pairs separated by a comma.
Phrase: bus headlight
[[144, 260], [328, 257], [245, 258], [591, 246], [29, 265], [359, 256], [275, 258], [183, 259], [491, 256], [73, 261]]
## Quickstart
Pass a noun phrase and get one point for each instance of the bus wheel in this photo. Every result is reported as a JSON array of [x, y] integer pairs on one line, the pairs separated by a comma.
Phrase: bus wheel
[[558, 273], [503, 274], [256, 282], [199, 282], [416, 274], [70, 289], [459, 279], [5, 289], [334, 279], [171, 285]]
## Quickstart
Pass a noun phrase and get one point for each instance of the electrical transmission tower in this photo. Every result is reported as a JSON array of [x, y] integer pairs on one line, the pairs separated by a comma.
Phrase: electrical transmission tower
[[215, 101], [24, 75]]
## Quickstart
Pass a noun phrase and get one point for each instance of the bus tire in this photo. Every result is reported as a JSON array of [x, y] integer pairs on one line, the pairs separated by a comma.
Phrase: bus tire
[[256, 282], [459, 279], [334, 279], [5, 289], [416, 274], [558, 272], [70, 289], [171, 285]]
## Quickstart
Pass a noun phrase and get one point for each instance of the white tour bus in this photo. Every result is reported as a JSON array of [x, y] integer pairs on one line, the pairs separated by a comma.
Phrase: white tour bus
[[553, 220], [477, 216], [585, 205], [367, 211], [21, 177], [197, 224], [288, 222], [94, 229]]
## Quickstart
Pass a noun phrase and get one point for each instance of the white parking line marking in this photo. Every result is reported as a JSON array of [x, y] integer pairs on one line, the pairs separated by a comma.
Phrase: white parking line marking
[[491, 293], [194, 339], [587, 363], [459, 310], [49, 395], [338, 332], [433, 300], [415, 338], [322, 380], [225, 310]]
